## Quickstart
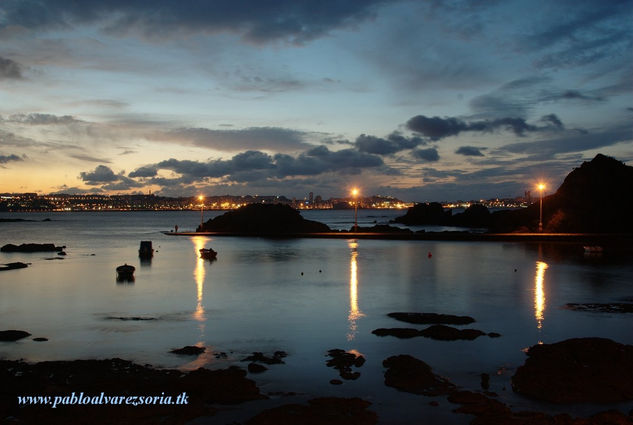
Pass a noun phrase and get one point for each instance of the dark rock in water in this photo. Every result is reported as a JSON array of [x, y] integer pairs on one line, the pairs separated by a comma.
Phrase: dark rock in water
[[132, 318], [579, 370], [481, 406], [439, 332], [261, 358], [13, 266], [256, 368], [494, 334], [40, 339], [13, 335], [62, 253], [189, 350], [220, 355], [432, 318], [448, 333], [319, 411], [423, 213], [404, 333], [31, 247], [406, 373], [343, 361], [263, 219], [602, 308], [476, 215], [203, 388]]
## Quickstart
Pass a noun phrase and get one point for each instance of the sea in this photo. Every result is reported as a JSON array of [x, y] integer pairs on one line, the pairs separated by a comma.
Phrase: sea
[[305, 297]]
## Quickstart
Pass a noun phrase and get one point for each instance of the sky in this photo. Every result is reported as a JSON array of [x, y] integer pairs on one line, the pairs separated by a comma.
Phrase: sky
[[421, 100]]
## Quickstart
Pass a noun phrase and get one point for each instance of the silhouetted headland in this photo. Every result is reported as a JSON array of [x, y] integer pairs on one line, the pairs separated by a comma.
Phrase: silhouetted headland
[[594, 198]]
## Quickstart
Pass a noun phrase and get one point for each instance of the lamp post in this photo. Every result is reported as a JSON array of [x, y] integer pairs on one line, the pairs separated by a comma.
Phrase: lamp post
[[541, 187], [201, 199], [355, 195]]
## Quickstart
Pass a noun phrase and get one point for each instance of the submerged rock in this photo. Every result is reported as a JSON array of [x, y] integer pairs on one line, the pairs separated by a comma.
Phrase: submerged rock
[[403, 333], [13, 266], [319, 411], [601, 308], [31, 247], [256, 368], [438, 332], [189, 350], [406, 373], [257, 356], [431, 318], [579, 370], [343, 361], [13, 335]]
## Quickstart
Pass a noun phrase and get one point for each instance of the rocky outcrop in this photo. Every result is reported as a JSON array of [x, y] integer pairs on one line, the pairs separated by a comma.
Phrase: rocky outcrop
[[31, 247], [263, 219], [431, 318], [343, 361], [13, 335], [438, 332], [406, 373], [579, 370], [425, 213], [13, 266], [189, 350]]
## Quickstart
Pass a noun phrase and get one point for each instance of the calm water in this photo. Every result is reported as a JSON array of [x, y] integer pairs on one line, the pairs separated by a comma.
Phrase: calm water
[[303, 296]]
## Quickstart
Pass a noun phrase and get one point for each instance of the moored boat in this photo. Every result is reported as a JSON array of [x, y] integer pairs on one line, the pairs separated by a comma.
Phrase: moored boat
[[208, 253]]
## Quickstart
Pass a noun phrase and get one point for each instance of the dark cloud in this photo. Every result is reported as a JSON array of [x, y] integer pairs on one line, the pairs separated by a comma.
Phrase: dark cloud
[[292, 20], [89, 158], [437, 128], [10, 69], [395, 142], [428, 155], [8, 158], [101, 174], [552, 120], [43, 119], [229, 140], [469, 151], [146, 171]]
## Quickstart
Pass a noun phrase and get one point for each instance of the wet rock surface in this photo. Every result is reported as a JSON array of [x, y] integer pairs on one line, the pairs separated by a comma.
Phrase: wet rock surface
[[118, 377], [406, 373], [256, 368], [319, 411], [189, 350], [343, 361], [579, 370], [404, 333], [601, 308], [13, 335], [431, 318]]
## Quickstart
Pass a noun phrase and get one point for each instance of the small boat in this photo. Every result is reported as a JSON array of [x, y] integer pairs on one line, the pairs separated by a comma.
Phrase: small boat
[[146, 250], [125, 271], [208, 253]]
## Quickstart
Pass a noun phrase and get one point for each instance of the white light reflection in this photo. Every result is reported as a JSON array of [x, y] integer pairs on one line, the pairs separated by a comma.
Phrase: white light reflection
[[199, 275], [354, 311], [539, 293]]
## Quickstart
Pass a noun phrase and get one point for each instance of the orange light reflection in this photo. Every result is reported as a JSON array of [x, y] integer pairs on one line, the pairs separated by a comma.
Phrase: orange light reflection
[[539, 293], [354, 310], [199, 275]]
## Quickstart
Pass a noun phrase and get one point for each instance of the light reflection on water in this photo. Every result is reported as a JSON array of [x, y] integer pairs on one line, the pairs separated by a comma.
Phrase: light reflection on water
[[301, 296]]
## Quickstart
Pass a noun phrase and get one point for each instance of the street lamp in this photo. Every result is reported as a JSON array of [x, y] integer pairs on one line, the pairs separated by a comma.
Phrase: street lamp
[[201, 199], [355, 195], [541, 187]]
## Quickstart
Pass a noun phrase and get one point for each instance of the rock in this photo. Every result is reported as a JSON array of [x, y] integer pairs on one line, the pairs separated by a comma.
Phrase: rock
[[31, 247], [62, 253], [13, 266], [132, 318], [40, 339], [256, 368], [203, 388], [431, 318], [13, 335], [485, 381], [602, 308], [424, 213], [404, 333], [579, 370], [319, 411], [448, 333], [343, 361], [189, 350], [494, 334], [479, 405], [263, 219], [261, 358], [406, 373]]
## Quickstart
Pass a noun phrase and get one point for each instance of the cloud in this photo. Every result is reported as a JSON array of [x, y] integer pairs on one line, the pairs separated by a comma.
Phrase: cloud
[[101, 174], [395, 142], [8, 158], [43, 119], [295, 21], [274, 138], [437, 128], [469, 151], [10, 69], [89, 158], [146, 171], [428, 155]]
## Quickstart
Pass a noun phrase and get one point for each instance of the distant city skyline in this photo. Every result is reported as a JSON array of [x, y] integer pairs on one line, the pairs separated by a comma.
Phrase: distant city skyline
[[423, 101]]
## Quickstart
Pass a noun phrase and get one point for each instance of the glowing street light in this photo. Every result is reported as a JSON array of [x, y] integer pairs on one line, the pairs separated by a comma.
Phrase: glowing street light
[[201, 199], [355, 195], [541, 188]]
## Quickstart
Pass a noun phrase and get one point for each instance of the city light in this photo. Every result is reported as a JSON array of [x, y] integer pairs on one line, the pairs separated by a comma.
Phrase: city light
[[541, 188], [355, 195]]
